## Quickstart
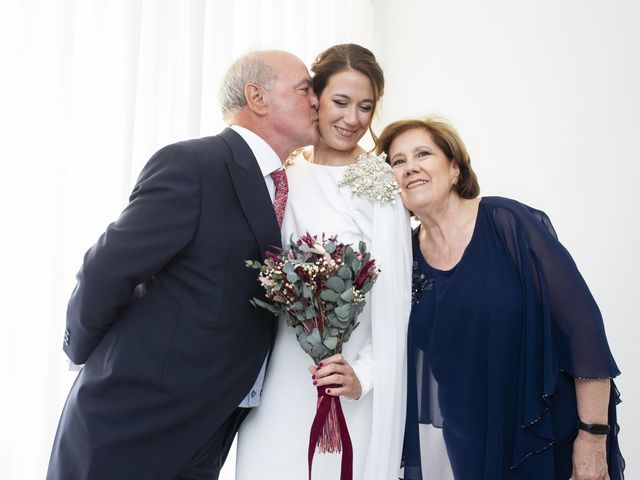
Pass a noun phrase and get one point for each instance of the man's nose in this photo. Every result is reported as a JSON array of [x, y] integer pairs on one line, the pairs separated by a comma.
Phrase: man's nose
[[314, 101]]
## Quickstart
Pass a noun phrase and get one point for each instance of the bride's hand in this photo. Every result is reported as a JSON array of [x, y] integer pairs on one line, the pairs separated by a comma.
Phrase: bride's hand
[[335, 370]]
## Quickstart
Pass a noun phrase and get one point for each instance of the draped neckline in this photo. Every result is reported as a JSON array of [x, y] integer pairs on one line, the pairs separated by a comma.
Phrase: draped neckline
[[452, 273]]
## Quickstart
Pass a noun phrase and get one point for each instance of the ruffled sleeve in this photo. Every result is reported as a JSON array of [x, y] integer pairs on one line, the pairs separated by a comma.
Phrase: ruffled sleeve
[[563, 335]]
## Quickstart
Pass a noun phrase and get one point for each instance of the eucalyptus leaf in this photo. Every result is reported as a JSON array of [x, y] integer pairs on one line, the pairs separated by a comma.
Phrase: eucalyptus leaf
[[362, 247], [343, 324], [366, 287], [256, 302], [343, 311], [297, 306], [348, 254], [253, 264], [288, 268], [347, 296], [330, 247], [309, 313], [314, 337], [306, 292], [344, 272], [331, 342], [334, 321], [304, 248], [306, 346], [292, 277], [348, 333], [319, 350], [329, 295], [356, 265], [336, 284]]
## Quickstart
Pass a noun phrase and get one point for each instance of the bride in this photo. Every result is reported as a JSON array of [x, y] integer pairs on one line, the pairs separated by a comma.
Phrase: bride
[[339, 189]]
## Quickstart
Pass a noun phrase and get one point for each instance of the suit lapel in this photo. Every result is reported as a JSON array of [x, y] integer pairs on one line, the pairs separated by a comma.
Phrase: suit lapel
[[252, 192]]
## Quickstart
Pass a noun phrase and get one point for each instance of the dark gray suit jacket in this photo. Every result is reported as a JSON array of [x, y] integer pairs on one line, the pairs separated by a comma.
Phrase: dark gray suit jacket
[[161, 317]]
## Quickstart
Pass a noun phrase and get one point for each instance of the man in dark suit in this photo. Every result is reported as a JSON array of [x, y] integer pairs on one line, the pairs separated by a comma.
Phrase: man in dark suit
[[160, 316]]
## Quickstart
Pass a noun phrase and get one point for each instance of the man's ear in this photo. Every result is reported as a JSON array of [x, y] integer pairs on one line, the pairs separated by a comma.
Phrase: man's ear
[[256, 98]]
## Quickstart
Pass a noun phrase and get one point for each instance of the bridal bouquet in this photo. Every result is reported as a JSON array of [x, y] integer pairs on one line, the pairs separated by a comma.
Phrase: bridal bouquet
[[319, 286]]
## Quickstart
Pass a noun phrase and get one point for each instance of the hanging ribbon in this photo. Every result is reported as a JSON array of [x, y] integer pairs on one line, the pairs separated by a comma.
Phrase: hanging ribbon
[[329, 431]]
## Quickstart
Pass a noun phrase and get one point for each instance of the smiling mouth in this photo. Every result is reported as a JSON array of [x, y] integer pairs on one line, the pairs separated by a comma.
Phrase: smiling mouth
[[416, 183], [345, 133]]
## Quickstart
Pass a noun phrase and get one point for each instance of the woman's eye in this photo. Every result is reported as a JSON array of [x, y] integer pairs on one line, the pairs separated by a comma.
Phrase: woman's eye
[[398, 161], [366, 108], [340, 103], [423, 153]]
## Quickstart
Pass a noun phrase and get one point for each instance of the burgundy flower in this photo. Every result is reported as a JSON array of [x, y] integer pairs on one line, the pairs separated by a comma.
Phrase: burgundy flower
[[308, 239], [302, 274], [273, 256], [364, 273]]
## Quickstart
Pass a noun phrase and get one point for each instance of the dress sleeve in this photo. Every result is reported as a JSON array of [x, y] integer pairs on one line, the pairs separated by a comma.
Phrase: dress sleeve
[[562, 334], [363, 367], [390, 307], [577, 328]]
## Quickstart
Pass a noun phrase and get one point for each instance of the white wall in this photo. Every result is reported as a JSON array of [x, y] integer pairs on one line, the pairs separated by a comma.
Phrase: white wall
[[545, 95]]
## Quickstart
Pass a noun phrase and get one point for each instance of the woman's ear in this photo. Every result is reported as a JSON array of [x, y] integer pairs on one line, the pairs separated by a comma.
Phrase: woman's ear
[[256, 98], [455, 171]]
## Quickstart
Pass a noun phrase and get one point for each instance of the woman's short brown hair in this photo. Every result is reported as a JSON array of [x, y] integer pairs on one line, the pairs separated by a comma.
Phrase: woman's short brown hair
[[348, 56], [447, 139]]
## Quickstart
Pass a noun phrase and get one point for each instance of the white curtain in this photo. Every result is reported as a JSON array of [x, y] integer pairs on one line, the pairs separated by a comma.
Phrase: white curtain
[[89, 89]]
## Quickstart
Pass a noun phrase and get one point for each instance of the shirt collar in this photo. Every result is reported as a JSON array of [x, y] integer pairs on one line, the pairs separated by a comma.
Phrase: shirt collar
[[268, 160]]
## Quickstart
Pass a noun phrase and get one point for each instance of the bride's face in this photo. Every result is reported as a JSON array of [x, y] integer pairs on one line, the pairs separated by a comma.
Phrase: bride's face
[[345, 111]]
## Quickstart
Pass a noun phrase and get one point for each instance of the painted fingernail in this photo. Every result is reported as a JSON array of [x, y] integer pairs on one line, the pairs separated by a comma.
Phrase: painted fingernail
[[315, 383], [313, 377], [320, 364]]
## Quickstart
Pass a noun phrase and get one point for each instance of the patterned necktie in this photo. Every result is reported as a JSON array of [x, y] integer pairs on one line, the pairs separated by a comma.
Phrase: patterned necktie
[[282, 190]]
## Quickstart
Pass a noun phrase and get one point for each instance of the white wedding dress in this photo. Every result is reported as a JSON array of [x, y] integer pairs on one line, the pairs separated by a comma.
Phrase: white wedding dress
[[273, 440]]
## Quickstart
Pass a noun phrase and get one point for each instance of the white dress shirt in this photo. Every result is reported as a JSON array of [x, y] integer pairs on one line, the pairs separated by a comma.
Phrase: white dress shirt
[[268, 161]]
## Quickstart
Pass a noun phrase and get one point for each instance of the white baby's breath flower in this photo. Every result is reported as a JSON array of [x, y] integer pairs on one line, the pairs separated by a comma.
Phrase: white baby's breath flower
[[371, 177]]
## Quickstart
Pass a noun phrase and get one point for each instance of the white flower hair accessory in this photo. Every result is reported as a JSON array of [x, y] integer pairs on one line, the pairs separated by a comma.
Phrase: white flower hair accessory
[[371, 177]]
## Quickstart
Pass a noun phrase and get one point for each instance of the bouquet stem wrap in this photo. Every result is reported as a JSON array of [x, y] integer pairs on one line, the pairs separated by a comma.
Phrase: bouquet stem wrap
[[329, 432]]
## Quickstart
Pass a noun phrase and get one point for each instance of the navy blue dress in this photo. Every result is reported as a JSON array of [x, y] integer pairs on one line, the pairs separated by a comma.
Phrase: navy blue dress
[[494, 347]]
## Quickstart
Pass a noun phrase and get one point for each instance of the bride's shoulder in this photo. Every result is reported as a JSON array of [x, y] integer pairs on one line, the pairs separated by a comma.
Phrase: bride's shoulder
[[371, 177], [298, 157]]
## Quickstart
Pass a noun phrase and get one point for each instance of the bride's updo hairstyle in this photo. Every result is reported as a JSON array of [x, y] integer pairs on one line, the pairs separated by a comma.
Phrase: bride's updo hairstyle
[[348, 56]]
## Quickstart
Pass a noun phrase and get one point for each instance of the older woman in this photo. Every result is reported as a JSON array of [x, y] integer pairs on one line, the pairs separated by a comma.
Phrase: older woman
[[507, 350]]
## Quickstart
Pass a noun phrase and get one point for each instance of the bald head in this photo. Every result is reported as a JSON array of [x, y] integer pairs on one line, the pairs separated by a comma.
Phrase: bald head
[[271, 94], [259, 68]]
